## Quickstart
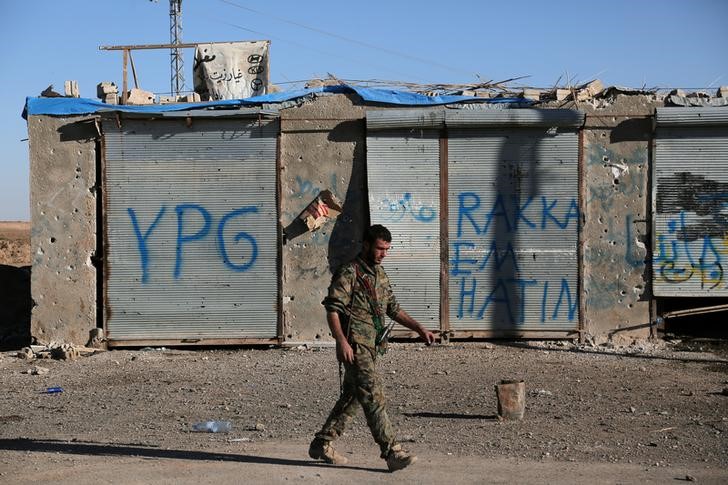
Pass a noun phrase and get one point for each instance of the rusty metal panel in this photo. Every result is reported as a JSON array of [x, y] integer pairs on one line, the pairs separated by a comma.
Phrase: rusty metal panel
[[403, 173], [690, 199], [191, 229], [513, 228]]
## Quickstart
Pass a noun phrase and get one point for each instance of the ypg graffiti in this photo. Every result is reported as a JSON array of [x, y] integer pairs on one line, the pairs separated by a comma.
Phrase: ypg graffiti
[[691, 234], [200, 219], [513, 259]]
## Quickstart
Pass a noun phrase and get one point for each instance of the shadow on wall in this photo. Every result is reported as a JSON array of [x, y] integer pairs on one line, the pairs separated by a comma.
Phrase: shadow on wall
[[349, 227], [517, 179], [15, 307]]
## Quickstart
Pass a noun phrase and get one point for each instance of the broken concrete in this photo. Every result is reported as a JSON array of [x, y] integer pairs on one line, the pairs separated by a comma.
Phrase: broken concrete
[[140, 97]]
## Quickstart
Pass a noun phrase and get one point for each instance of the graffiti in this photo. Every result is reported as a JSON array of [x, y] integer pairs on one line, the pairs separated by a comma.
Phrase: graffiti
[[397, 210], [486, 272], [511, 212], [305, 188], [510, 292], [194, 214], [692, 248], [678, 258]]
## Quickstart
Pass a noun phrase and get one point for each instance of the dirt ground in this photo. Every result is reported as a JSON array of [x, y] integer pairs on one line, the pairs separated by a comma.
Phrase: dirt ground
[[648, 414], [15, 243]]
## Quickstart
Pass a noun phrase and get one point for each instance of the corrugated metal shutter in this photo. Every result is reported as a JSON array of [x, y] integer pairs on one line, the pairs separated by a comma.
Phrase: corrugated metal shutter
[[191, 231], [513, 224], [404, 195], [690, 175]]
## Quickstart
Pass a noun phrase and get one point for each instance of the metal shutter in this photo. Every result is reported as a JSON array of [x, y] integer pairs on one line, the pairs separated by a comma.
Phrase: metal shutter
[[191, 228], [690, 174]]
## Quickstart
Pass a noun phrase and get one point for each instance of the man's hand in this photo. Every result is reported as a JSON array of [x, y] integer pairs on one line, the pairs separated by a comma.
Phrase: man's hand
[[427, 336], [344, 352]]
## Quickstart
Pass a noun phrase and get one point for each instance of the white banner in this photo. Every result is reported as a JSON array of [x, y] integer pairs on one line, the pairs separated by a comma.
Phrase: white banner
[[233, 70]]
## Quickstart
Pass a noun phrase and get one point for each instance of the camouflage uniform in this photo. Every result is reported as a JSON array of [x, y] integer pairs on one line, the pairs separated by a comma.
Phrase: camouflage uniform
[[362, 384]]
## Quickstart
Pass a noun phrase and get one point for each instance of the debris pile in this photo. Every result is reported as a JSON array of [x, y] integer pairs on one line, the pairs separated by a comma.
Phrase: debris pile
[[55, 351]]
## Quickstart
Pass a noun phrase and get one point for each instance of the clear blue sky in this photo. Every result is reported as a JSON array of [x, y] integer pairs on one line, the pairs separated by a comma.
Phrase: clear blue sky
[[667, 43]]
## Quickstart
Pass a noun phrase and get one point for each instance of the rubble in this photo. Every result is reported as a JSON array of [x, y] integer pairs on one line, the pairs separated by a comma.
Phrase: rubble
[[140, 97], [55, 351], [71, 89], [589, 90], [108, 92]]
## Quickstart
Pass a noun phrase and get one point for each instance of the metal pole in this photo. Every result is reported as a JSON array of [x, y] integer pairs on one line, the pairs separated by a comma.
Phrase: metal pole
[[177, 79]]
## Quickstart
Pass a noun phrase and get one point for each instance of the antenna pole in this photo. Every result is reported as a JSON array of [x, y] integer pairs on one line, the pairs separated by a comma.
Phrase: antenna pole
[[175, 38]]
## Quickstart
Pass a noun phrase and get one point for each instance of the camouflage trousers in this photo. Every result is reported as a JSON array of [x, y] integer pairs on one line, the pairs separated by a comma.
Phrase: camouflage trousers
[[362, 385]]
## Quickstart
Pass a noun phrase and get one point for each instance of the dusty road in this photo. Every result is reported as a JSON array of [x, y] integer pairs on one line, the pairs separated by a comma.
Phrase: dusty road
[[593, 415]]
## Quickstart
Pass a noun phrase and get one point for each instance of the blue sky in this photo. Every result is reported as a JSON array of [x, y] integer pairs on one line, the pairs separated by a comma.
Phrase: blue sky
[[667, 43]]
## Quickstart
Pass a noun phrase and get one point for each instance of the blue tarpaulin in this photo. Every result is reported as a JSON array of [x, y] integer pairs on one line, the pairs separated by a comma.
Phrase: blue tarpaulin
[[83, 106]]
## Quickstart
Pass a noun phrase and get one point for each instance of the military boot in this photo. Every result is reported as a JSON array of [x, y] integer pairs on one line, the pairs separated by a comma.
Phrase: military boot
[[322, 450], [398, 458]]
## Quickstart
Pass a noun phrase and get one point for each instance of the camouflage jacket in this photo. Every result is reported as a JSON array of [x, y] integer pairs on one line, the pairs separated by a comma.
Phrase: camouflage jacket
[[359, 324]]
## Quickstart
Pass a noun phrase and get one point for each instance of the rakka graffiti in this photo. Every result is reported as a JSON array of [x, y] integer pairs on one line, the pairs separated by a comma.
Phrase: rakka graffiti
[[485, 271], [185, 214]]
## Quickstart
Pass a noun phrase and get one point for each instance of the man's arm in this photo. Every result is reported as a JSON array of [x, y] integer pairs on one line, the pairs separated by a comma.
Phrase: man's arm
[[403, 318], [344, 352]]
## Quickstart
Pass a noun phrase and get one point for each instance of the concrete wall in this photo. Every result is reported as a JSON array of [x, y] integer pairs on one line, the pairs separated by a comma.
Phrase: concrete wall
[[322, 146], [617, 220], [63, 234]]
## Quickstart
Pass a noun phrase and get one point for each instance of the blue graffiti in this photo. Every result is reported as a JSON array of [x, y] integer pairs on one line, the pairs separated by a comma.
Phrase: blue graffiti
[[676, 261], [458, 264], [241, 235], [405, 207], [187, 214], [183, 238], [305, 187], [142, 239], [512, 212], [507, 293], [486, 269]]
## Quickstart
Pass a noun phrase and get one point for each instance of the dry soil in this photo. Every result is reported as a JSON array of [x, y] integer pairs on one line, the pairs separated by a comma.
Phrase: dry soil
[[593, 415]]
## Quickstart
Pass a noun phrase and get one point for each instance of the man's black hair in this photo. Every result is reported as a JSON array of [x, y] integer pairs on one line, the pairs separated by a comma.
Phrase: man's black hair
[[377, 231]]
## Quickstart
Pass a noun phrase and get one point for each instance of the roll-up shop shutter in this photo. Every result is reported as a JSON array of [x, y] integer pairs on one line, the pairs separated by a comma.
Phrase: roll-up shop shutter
[[191, 227], [513, 190], [690, 197], [404, 195]]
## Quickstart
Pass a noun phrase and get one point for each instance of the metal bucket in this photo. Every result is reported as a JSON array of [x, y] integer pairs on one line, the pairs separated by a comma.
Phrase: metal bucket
[[511, 399]]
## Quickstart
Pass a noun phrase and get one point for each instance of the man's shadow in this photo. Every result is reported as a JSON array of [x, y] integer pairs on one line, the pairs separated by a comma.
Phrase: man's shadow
[[106, 449]]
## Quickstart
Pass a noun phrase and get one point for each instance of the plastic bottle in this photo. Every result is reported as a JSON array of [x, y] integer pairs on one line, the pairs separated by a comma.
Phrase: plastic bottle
[[212, 426], [53, 390]]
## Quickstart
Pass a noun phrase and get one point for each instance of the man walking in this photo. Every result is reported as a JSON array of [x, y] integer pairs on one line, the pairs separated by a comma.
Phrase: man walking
[[359, 297]]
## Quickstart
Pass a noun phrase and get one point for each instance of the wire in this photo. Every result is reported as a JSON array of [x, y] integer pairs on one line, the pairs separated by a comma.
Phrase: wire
[[347, 39], [298, 44]]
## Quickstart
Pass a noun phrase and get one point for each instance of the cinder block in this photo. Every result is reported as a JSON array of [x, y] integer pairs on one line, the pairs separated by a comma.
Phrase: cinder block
[[105, 88], [534, 94], [111, 98], [723, 92], [140, 97], [590, 90], [71, 89], [562, 94]]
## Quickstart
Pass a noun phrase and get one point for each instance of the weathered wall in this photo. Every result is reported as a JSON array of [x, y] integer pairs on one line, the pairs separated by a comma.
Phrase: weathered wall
[[322, 147], [617, 220], [63, 234]]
